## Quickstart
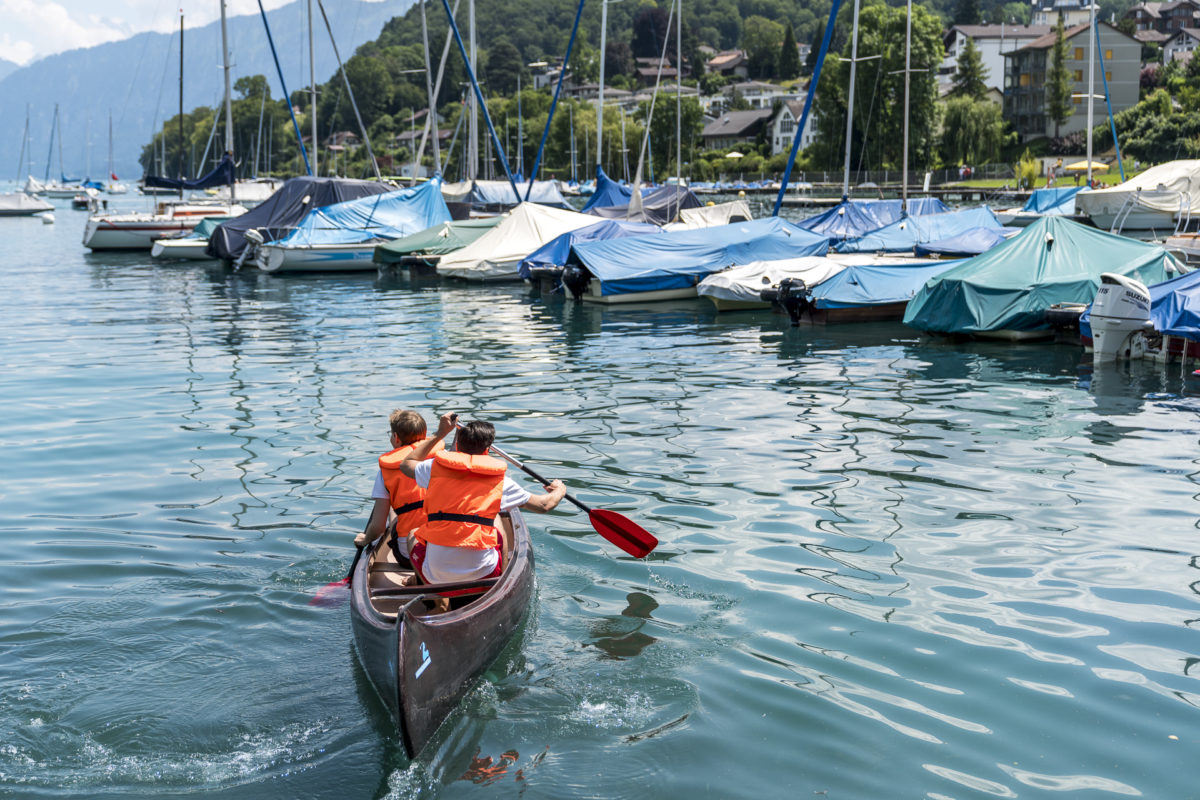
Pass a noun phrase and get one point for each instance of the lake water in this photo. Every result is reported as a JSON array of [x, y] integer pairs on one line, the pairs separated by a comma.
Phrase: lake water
[[888, 567]]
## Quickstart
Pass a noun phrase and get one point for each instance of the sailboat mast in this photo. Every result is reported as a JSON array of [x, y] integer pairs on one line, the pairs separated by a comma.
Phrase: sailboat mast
[[600, 95], [907, 79], [473, 122], [850, 104], [61, 173], [520, 133], [678, 105], [228, 101], [110, 163], [571, 115], [179, 161], [1091, 101], [312, 85], [433, 121], [50, 150]]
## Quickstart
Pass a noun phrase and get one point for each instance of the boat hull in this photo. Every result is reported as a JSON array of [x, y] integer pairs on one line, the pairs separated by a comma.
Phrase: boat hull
[[423, 664], [184, 249], [321, 258], [104, 233]]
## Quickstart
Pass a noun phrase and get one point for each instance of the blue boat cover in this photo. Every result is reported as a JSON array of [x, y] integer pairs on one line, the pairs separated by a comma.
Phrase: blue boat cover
[[608, 192], [903, 235], [280, 212], [1053, 200], [851, 218], [1054, 260], [876, 284], [556, 251], [681, 259], [221, 175], [1174, 308], [658, 207], [970, 242], [381, 216]]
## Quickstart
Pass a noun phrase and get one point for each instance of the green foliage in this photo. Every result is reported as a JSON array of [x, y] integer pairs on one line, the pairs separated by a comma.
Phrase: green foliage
[[1027, 169], [971, 78], [1058, 81], [762, 40], [737, 102], [504, 67], [662, 132], [967, 12], [1015, 13], [1154, 130], [879, 106], [972, 131], [789, 56]]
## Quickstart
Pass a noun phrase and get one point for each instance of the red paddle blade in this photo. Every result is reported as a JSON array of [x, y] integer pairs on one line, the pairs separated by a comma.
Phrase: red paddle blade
[[332, 594], [623, 532]]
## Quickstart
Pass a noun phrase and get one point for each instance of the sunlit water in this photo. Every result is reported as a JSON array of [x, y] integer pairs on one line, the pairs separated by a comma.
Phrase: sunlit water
[[889, 568]]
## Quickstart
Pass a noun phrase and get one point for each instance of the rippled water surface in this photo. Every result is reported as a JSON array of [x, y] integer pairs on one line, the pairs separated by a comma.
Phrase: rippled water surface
[[889, 567]]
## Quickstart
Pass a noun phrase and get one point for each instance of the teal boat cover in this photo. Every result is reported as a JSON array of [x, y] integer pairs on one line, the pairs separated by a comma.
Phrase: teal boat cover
[[382, 216], [851, 218], [443, 238], [905, 234], [877, 283], [681, 259], [1054, 260]]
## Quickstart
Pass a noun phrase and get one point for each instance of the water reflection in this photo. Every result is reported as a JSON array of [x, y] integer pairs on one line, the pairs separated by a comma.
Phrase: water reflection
[[622, 637]]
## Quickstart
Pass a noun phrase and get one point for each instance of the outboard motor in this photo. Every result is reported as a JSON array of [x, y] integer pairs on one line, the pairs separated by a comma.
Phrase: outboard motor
[[1120, 318], [793, 296], [575, 280]]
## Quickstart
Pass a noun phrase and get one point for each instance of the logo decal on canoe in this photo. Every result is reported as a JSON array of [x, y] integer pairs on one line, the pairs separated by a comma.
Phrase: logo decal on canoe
[[424, 660]]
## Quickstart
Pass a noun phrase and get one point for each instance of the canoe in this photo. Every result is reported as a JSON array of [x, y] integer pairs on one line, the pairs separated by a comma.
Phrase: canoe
[[423, 663]]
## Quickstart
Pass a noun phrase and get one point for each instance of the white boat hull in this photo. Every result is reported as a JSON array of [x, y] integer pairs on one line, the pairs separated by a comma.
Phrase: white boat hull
[[1145, 220], [592, 295], [322, 258], [112, 233], [185, 249]]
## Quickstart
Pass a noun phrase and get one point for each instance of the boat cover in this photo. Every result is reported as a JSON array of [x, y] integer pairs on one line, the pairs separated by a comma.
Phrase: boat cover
[[708, 216], [1054, 260], [20, 203], [555, 252], [903, 235], [1174, 308], [1053, 200], [744, 282], [436, 241], [681, 259], [970, 242], [1164, 188], [221, 175], [280, 212], [658, 207], [497, 254], [379, 216], [851, 218], [499, 194], [877, 281], [607, 192]]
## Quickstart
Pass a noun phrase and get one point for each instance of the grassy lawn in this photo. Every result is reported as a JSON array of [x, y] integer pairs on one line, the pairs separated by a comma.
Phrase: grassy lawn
[[1110, 178]]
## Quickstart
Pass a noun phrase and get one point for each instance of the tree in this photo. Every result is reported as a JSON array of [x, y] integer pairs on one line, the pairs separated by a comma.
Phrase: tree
[[762, 39], [971, 78], [504, 65], [967, 12], [789, 56], [737, 102], [618, 59], [662, 132], [649, 31], [1058, 81], [972, 131]]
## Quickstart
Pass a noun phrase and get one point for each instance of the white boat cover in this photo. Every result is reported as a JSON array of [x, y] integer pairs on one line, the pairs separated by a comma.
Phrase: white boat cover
[[21, 204], [743, 283], [708, 216], [498, 253], [1169, 187]]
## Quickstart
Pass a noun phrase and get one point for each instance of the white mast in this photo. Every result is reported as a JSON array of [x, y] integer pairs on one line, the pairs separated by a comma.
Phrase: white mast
[[1091, 102], [432, 116], [600, 95], [907, 76], [228, 101], [850, 104], [312, 85], [473, 108], [678, 103]]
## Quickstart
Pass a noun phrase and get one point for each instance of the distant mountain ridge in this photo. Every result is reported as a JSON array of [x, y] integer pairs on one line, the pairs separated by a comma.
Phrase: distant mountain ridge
[[137, 79]]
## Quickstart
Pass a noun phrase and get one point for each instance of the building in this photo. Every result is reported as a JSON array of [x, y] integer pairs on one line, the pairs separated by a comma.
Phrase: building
[[1181, 45], [783, 126], [992, 41], [1073, 12], [735, 128], [1026, 70], [1164, 18], [730, 63]]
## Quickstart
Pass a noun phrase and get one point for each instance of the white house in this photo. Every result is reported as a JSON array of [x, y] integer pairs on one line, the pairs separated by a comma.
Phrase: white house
[[783, 126], [992, 41], [1181, 44], [1073, 12]]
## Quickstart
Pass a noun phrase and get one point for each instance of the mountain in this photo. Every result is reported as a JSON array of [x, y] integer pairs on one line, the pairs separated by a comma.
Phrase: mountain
[[137, 80], [6, 67]]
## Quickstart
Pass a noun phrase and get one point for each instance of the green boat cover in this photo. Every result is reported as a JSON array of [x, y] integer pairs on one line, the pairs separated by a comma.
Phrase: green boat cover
[[207, 226], [1010, 287], [436, 241]]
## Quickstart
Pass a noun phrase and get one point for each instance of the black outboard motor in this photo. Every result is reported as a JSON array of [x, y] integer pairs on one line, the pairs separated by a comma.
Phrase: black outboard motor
[[792, 294], [575, 278]]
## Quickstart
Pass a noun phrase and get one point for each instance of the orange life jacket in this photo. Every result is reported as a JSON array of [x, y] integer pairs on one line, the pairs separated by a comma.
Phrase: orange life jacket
[[463, 500], [407, 499]]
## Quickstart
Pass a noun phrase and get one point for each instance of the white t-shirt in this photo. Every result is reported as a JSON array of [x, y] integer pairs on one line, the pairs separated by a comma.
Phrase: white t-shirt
[[453, 564]]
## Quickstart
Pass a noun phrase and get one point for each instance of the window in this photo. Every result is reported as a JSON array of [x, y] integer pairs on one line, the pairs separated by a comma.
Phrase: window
[[1108, 55], [1078, 75], [1077, 100], [1079, 54], [1107, 75], [1025, 79]]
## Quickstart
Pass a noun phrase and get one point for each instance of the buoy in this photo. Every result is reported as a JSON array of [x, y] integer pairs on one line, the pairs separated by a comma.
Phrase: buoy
[[741, 193], [710, 203], [47, 219]]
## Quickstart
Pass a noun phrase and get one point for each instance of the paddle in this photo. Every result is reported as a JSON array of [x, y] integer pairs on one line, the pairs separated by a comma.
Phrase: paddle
[[618, 529], [331, 593]]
